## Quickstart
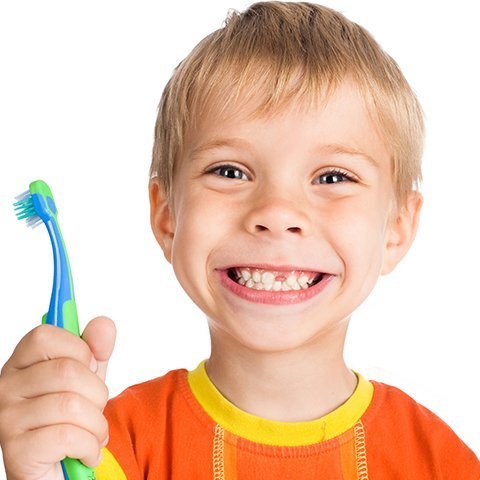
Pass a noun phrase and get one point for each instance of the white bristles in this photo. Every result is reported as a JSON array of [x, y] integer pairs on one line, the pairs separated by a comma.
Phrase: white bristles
[[22, 196], [34, 221]]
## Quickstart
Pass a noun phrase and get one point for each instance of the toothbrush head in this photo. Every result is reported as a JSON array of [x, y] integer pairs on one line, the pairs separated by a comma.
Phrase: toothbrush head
[[36, 204]]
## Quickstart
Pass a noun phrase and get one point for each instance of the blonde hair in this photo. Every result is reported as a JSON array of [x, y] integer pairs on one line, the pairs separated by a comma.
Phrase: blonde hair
[[285, 51]]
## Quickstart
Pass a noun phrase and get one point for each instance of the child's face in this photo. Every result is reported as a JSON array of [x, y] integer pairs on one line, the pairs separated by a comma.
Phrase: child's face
[[282, 209]]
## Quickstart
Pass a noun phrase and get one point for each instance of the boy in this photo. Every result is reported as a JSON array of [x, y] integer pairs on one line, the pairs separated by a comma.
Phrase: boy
[[285, 165]]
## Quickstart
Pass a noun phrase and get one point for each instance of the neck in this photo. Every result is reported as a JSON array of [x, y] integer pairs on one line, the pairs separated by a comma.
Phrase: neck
[[297, 385]]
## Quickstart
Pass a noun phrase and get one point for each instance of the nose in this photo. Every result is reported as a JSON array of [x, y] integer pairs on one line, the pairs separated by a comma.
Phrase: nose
[[278, 216]]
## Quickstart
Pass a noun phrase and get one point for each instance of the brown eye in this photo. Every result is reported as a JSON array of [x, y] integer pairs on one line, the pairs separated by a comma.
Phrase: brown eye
[[334, 176], [227, 171]]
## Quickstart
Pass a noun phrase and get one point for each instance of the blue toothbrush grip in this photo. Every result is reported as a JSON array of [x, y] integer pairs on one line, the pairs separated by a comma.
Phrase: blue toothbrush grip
[[62, 313]]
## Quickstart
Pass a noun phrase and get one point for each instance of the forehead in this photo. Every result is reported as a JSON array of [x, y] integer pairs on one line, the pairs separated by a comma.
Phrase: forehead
[[342, 119]]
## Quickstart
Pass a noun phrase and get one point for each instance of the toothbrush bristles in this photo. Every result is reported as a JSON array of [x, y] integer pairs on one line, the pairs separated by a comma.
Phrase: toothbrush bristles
[[22, 196], [34, 221], [25, 210]]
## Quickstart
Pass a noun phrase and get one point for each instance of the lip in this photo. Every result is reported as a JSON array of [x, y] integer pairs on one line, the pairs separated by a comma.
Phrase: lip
[[270, 297]]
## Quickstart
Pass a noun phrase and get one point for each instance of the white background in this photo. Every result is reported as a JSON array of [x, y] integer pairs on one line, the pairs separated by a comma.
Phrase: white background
[[80, 84]]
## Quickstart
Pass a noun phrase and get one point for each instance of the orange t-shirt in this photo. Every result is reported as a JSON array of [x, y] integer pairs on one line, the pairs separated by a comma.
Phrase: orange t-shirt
[[179, 426]]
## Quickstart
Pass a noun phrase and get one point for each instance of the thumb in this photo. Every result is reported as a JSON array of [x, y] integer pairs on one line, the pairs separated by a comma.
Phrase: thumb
[[100, 334]]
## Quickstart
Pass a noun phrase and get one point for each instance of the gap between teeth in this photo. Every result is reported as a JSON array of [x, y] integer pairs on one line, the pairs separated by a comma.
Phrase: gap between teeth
[[266, 281]]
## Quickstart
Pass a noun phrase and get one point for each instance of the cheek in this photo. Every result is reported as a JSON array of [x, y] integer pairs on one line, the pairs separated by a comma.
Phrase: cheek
[[199, 229], [202, 219], [357, 231]]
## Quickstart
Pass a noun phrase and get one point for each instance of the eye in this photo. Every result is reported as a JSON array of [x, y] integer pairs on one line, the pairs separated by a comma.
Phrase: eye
[[335, 176], [227, 171]]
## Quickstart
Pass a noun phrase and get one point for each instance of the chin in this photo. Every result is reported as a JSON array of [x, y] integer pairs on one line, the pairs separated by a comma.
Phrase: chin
[[271, 338]]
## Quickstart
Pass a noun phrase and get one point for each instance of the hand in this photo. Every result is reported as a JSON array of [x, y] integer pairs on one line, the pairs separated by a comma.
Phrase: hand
[[52, 396]]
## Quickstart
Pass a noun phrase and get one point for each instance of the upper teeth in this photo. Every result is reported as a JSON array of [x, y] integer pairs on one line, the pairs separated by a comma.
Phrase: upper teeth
[[266, 280]]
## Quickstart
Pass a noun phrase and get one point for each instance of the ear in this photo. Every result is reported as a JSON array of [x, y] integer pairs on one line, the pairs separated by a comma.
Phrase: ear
[[401, 231], [161, 218]]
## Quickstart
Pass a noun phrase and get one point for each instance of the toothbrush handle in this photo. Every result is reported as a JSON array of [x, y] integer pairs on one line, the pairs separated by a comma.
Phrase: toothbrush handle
[[72, 468], [62, 312]]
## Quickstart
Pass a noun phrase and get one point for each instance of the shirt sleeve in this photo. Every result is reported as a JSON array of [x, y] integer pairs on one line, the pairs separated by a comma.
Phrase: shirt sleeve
[[458, 460]]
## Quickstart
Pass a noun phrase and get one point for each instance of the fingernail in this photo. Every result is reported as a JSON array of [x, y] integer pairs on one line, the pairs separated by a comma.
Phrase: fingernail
[[105, 441], [100, 456], [93, 365]]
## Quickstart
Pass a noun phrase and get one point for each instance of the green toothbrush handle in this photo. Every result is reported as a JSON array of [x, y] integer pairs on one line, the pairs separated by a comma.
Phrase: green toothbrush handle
[[69, 317], [73, 469]]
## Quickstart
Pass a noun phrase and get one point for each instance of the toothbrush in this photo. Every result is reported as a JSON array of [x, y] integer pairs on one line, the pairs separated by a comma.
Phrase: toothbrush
[[36, 205]]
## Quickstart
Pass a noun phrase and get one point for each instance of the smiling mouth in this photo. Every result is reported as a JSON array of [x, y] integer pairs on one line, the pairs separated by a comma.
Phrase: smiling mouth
[[269, 280]]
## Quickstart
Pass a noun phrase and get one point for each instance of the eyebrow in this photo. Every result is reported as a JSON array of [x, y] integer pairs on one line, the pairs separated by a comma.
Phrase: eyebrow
[[236, 142], [215, 143], [335, 148]]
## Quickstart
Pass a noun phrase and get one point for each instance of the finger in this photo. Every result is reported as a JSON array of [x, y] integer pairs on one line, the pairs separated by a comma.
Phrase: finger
[[46, 342], [100, 334], [54, 409], [52, 444], [53, 376]]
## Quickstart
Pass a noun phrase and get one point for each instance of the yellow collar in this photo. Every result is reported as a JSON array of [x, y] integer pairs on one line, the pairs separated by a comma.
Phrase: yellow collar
[[261, 430]]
